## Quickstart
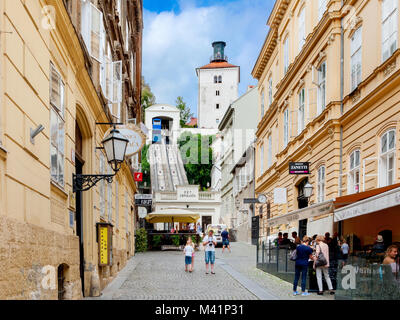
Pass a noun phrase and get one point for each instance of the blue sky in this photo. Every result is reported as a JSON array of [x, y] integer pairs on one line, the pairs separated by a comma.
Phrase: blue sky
[[178, 36]]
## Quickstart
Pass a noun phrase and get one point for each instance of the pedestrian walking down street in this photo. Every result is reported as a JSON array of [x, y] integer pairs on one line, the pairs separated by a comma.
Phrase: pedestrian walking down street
[[344, 247], [323, 248], [225, 240], [194, 250], [188, 251], [303, 254], [209, 243]]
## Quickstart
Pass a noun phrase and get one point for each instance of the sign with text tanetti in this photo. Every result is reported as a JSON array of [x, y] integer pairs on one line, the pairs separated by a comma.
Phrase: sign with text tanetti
[[299, 168]]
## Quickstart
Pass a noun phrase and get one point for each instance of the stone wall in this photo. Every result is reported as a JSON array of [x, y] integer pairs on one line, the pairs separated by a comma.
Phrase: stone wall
[[29, 258]]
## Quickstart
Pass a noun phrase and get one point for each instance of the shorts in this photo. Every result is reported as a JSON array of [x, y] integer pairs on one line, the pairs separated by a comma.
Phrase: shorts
[[188, 260], [210, 257], [225, 242]]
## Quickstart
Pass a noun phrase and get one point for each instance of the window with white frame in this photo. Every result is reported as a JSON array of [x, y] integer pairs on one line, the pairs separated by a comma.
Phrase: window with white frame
[[57, 126], [270, 91], [322, 6], [285, 128], [354, 172], [102, 188], [126, 36], [92, 29], [286, 55], [302, 28], [262, 159], [321, 88], [321, 184], [111, 82], [389, 27], [387, 159], [300, 117], [269, 150], [262, 103], [356, 58]]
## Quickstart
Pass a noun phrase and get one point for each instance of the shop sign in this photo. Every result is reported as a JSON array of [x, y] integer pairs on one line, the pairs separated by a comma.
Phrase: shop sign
[[104, 231], [306, 213], [138, 176], [142, 212], [188, 193], [143, 199], [299, 168]]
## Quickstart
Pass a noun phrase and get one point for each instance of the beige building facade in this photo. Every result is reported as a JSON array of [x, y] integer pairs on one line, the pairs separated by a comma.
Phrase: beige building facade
[[328, 77], [57, 72]]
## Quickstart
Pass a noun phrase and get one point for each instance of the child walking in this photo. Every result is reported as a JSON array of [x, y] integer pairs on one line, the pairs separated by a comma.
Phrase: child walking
[[188, 251], [194, 249]]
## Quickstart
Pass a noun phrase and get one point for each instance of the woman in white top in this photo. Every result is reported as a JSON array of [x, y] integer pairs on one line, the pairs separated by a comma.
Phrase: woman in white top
[[322, 247], [391, 258]]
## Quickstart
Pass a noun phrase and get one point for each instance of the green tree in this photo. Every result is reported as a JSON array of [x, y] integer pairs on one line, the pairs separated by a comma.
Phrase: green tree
[[146, 166], [148, 98], [197, 156], [185, 111]]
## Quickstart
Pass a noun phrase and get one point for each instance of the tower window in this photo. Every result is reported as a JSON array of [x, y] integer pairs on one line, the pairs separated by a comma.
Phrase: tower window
[[217, 93], [217, 106], [220, 79], [215, 79]]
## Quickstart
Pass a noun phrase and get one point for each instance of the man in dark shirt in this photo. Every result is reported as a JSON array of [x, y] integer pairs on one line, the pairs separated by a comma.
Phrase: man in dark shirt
[[225, 240], [304, 253]]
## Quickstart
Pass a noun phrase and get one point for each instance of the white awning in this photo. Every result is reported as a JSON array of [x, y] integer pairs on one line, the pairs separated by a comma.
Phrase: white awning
[[376, 203], [315, 210]]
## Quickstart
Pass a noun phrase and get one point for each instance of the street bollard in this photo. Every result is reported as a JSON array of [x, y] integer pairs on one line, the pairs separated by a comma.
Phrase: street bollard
[[263, 247]]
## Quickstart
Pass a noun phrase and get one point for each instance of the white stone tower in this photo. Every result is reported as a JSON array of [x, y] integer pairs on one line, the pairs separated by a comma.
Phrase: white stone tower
[[218, 87]]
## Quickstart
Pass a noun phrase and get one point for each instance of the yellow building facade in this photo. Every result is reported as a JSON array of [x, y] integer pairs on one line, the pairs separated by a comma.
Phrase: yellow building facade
[[328, 78], [49, 239]]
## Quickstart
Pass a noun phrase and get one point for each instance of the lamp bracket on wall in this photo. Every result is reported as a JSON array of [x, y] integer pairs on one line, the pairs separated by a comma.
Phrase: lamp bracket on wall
[[83, 182]]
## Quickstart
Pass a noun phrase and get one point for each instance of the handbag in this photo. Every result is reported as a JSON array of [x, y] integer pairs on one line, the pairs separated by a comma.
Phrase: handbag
[[321, 260], [293, 255]]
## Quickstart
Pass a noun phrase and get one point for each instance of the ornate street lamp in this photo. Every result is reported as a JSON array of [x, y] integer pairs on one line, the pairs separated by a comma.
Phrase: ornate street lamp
[[114, 146], [308, 189]]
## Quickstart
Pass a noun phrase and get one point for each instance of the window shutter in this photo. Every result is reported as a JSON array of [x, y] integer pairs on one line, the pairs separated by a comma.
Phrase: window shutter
[[117, 82], [96, 30], [86, 23]]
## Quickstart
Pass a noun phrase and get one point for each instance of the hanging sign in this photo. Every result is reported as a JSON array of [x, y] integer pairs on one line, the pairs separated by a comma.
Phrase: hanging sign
[[135, 136], [138, 176], [299, 168], [104, 231], [142, 211]]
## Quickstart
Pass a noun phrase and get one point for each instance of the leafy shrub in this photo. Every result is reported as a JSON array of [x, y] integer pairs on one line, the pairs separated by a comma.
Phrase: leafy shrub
[[156, 241], [141, 240], [175, 240]]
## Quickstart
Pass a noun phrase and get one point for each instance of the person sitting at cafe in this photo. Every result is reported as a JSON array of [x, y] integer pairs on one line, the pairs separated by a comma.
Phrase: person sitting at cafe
[[379, 246], [392, 259], [285, 241]]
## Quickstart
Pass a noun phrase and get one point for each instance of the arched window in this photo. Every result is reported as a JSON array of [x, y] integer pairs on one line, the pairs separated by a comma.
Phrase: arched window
[[354, 172], [321, 184], [220, 79], [387, 158], [215, 79]]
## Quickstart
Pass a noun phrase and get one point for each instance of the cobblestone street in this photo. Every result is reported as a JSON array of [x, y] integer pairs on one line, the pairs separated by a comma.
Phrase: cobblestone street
[[161, 276]]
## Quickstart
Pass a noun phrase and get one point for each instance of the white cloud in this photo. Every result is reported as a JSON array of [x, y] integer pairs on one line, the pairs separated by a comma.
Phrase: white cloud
[[174, 45]]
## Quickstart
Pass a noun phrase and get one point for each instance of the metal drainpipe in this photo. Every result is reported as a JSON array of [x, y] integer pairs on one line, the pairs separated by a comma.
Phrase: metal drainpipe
[[341, 101]]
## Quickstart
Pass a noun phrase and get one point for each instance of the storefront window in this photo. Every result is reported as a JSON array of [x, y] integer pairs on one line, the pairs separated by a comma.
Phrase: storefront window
[[57, 123], [387, 159], [321, 184], [354, 172]]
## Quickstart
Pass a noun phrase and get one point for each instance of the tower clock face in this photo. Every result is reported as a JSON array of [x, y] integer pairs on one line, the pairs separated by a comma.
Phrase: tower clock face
[[262, 198]]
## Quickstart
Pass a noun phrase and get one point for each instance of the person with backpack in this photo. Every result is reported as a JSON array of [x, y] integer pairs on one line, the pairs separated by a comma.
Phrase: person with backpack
[[321, 265], [301, 255]]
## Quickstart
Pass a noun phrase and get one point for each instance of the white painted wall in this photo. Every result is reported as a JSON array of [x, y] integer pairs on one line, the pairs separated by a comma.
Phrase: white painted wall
[[229, 92]]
